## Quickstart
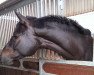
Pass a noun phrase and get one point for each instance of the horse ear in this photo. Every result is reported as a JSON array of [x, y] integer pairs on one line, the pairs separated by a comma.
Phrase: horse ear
[[22, 19]]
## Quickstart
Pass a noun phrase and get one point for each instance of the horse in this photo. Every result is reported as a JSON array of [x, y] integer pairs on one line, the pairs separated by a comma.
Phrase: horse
[[60, 34]]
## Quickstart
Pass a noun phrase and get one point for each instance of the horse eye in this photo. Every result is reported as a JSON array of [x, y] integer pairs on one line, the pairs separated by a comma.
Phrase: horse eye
[[15, 37]]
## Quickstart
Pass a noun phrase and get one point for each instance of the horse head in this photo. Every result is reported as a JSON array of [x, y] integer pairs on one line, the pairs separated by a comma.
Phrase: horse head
[[71, 40], [22, 43]]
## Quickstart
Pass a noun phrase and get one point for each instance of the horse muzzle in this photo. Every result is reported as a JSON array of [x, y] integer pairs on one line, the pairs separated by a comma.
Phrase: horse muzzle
[[8, 55], [6, 61]]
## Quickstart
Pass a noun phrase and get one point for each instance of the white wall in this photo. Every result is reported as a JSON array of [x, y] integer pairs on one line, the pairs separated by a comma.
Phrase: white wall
[[86, 20], [1, 1]]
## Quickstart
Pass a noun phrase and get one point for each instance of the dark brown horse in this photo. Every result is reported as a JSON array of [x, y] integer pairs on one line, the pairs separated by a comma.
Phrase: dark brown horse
[[60, 34]]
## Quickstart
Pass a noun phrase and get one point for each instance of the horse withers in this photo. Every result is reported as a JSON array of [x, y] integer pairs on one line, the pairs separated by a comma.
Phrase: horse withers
[[60, 34]]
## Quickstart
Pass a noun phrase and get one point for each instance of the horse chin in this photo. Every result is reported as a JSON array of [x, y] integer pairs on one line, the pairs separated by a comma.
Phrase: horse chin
[[7, 62]]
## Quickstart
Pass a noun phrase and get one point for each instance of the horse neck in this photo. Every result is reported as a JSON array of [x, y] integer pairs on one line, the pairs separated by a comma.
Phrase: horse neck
[[87, 41]]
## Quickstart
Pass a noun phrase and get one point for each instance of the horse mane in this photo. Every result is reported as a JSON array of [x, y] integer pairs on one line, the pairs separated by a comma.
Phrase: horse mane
[[39, 23]]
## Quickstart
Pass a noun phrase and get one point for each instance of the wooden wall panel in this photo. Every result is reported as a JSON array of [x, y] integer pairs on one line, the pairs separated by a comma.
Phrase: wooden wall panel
[[66, 69]]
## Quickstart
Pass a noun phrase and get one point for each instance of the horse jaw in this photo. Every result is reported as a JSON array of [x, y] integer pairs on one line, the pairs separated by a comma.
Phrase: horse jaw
[[51, 45]]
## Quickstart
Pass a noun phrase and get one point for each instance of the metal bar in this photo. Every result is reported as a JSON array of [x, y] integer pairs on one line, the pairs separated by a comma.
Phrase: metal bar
[[31, 14], [41, 71], [17, 68], [45, 6], [34, 4], [6, 31], [32, 9], [54, 7], [83, 63], [11, 24], [38, 8], [26, 8], [3, 29], [49, 6], [22, 11], [16, 6], [42, 8]]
